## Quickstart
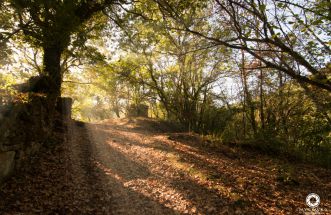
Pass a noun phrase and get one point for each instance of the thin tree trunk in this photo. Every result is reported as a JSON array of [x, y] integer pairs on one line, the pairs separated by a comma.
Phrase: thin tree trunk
[[248, 97], [244, 102], [261, 100]]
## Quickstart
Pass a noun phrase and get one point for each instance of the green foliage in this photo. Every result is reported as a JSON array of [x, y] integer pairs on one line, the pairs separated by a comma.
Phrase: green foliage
[[295, 127]]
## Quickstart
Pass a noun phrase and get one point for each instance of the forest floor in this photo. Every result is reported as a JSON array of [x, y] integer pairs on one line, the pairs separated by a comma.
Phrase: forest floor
[[141, 166]]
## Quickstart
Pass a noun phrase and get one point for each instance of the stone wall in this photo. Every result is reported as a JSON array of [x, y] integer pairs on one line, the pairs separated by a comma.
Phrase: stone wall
[[137, 110], [24, 128]]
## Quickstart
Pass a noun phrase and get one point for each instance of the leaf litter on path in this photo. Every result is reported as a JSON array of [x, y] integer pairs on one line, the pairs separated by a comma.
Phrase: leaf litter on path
[[142, 167]]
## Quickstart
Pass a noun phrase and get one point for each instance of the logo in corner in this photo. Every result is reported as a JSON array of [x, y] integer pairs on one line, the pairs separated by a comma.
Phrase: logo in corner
[[313, 200]]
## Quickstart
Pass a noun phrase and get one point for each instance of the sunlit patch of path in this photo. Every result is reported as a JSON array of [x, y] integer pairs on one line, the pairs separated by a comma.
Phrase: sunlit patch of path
[[142, 175]]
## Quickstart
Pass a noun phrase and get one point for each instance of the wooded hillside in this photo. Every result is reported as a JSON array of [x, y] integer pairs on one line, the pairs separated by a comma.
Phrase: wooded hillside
[[249, 75]]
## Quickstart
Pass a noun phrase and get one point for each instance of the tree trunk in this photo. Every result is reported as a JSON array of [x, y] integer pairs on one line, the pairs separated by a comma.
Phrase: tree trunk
[[52, 69], [117, 112], [244, 100], [261, 100], [53, 77], [248, 97]]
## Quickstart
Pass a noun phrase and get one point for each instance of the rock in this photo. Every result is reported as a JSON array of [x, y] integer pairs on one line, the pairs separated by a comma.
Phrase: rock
[[211, 209], [64, 106], [138, 110], [7, 164]]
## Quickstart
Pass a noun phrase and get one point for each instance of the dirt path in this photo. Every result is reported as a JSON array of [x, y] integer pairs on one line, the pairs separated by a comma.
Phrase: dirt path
[[152, 172], [139, 167], [143, 175]]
